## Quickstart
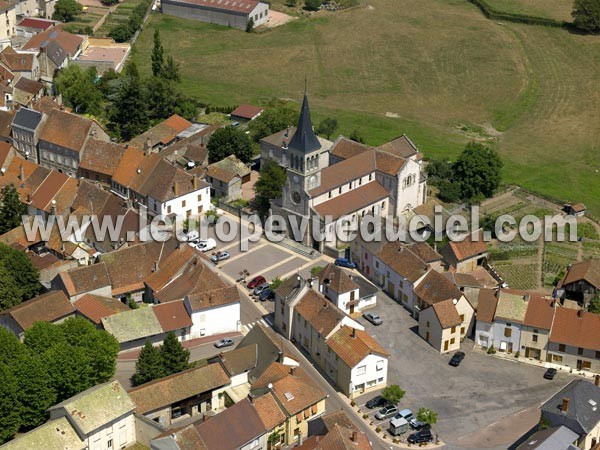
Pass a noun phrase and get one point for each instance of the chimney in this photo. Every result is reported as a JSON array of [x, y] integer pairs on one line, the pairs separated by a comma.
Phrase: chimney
[[355, 436], [156, 266], [251, 398], [195, 180], [21, 173], [565, 405], [292, 370], [597, 380], [175, 189], [353, 333], [280, 356], [580, 313], [147, 147]]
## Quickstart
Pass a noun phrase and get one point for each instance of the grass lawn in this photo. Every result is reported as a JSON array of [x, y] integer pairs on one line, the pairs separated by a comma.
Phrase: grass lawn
[[436, 70], [548, 9]]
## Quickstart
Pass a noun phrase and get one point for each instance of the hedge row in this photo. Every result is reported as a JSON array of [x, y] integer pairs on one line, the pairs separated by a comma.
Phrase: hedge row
[[491, 13]]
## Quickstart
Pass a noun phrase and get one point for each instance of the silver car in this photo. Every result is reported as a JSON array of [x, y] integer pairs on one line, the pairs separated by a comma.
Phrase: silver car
[[373, 318]]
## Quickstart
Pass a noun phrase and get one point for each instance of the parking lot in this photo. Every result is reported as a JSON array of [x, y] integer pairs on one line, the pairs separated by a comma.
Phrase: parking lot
[[468, 398]]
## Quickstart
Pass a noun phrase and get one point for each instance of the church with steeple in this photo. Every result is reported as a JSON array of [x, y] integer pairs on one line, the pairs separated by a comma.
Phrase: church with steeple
[[327, 181]]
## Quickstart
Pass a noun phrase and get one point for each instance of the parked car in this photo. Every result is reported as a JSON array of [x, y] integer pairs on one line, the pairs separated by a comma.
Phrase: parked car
[[421, 436], [457, 359], [258, 289], [373, 318], [405, 414], [219, 256], [376, 402], [224, 343], [266, 294], [550, 374], [256, 281], [386, 411], [205, 246], [193, 236], [416, 424], [344, 262]]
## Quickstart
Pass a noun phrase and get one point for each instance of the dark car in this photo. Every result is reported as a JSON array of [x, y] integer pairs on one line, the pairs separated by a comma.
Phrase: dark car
[[266, 294], [224, 343], [256, 281], [343, 262], [457, 359], [421, 436], [373, 318], [550, 374], [376, 402]]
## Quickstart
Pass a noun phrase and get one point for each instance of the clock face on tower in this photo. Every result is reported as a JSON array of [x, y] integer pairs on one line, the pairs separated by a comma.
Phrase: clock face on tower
[[296, 198], [295, 178]]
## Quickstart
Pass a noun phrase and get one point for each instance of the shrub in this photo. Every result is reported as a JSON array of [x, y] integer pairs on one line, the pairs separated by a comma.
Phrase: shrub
[[313, 5], [352, 403], [378, 430], [491, 350], [517, 354], [365, 416]]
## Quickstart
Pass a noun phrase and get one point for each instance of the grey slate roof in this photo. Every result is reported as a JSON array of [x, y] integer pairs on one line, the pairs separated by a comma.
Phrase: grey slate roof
[[27, 118], [304, 138], [558, 438], [583, 411], [56, 53]]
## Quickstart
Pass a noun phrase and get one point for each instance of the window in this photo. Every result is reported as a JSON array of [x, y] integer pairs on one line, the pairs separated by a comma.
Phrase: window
[[452, 341], [183, 203], [580, 351], [169, 209], [361, 370], [379, 380], [200, 209], [586, 365], [534, 338], [597, 354], [379, 365], [556, 358], [453, 330], [561, 347], [109, 444], [507, 332], [428, 324], [199, 197], [462, 317], [535, 331]]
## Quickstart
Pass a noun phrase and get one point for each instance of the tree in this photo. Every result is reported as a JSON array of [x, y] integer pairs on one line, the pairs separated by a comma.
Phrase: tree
[[313, 5], [158, 55], [18, 277], [109, 2], [174, 357], [268, 186], [356, 137], [586, 15], [250, 25], [229, 141], [327, 127], [427, 416], [10, 407], [450, 191], [79, 89], [477, 171], [392, 393], [35, 392], [11, 208], [594, 305], [129, 113], [149, 365], [66, 10], [171, 70], [276, 117]]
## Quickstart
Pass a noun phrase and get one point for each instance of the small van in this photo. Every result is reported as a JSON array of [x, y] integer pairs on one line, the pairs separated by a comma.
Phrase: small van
[[193, 236], [398, 426]]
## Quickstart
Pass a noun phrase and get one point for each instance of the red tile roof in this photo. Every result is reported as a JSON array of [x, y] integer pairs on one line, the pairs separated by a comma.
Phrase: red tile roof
[[269, 411], [66, 129], [588, 271], [247, 111], [243, 6], [576, 328], [352, 346], [95, 307], [172, 316], [40, 24], [469, 247], [446, 314], [353, 200], [48, 189], [102, 157], [540, 312], [435, 287], [69, 42], [48, 307], [85, 279], [486, 306], [323, 315]]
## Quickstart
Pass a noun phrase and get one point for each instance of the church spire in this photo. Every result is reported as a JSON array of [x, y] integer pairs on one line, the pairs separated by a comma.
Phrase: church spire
[[304, 138]]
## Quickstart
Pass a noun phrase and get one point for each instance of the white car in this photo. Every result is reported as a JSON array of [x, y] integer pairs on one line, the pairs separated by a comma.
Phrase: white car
[[205, 246]]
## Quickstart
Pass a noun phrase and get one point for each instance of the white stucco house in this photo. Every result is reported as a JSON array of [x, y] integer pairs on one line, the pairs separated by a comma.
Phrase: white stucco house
[[214, 312], [348, 291]]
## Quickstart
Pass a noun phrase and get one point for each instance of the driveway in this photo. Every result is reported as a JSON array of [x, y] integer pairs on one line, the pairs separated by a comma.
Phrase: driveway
[[469, 398]]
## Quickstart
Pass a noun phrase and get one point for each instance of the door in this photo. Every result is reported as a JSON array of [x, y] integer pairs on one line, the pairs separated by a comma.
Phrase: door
[[446, 346], [352, 308], [427, 336]]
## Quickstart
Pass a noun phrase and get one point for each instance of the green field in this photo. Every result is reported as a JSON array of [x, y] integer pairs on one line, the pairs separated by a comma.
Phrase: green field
[[445, 72], [548, 9]]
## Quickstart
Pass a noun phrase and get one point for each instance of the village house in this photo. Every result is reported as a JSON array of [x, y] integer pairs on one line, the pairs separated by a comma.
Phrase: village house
[[226, 178], [375, 181], [181, 396], [162, 134], [246, 113], [467, 254], [581, 282], [577, 209], [63, 139], [26, 92], [57, 433], [222, 12], [28, 26], [555, 438], [26, 127], [338, 431], [296, 395], [537, 323], [100, 160], [237, 364], [444, 313], [7, 25], [351, 293], [103, 54], [53, 307], [575, 406], [22, 64], [102, 416], [75, 283], [95, 307], [190, 153]]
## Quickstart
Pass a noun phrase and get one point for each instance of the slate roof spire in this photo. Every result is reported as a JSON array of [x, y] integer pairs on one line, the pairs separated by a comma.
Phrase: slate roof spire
[[304, 138]]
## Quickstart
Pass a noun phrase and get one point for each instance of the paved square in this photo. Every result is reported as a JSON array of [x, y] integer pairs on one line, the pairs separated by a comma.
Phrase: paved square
[[282, 269], [468, 398], [256, 261]]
